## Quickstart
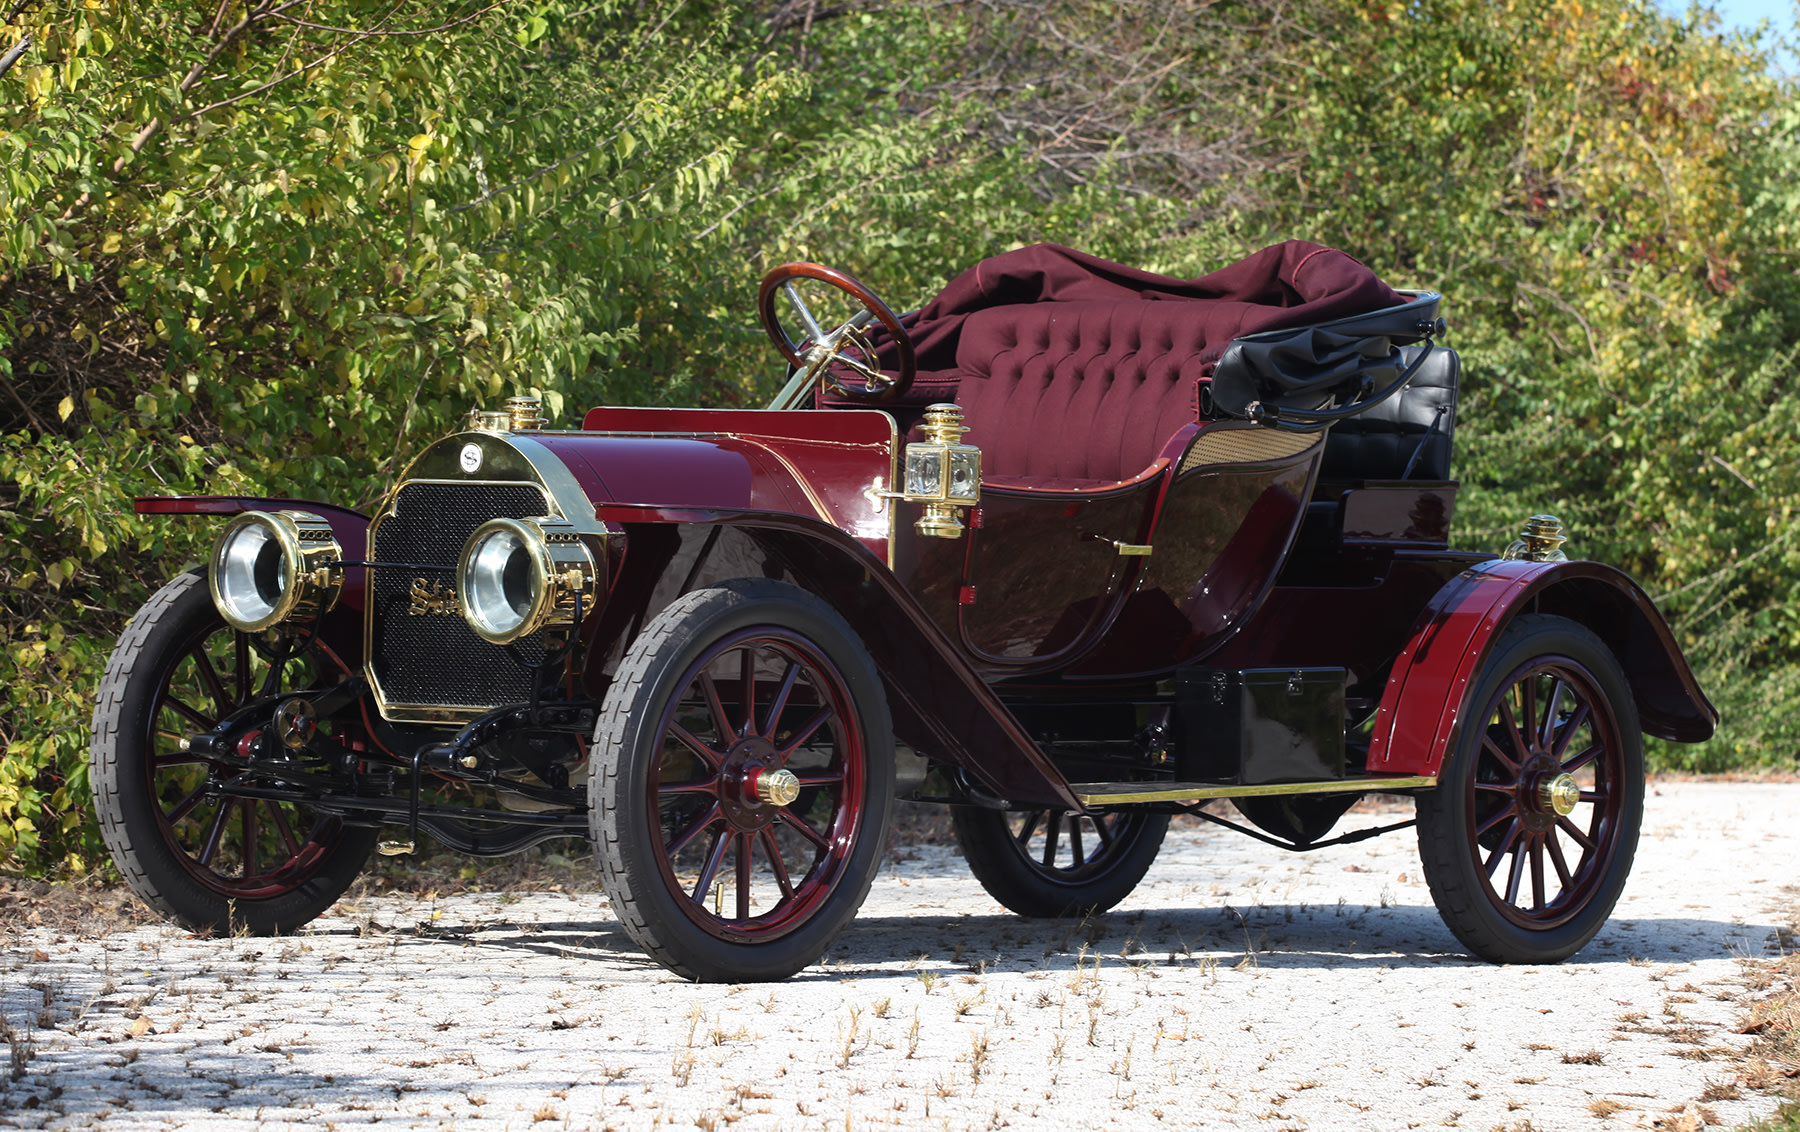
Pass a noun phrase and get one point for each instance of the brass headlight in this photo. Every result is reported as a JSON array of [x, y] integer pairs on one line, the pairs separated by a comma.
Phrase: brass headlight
[[517, 576], [271, 567]]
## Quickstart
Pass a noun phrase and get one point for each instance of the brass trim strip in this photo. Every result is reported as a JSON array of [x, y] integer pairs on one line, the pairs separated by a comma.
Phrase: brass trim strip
[[1124, 793], [1244, 446]]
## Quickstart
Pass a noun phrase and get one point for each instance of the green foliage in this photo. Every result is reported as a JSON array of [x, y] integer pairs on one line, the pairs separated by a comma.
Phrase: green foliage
[[265, 254]]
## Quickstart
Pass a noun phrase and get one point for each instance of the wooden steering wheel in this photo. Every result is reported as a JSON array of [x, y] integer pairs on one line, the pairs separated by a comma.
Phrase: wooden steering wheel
[[840, 357]]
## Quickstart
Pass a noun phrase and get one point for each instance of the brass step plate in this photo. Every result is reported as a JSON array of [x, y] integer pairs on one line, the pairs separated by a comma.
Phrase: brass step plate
[[1125, 793]]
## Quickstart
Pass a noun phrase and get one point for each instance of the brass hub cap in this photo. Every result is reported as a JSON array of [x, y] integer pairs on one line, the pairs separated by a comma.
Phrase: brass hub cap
[[777, 787], [751, 790], [1559, 795]]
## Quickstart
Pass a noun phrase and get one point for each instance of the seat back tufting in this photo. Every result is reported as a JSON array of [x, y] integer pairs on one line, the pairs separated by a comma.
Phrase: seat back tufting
[[1408, 436], [1079, 393]]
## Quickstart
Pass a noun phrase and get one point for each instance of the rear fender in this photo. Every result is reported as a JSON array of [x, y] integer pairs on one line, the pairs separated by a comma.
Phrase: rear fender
[[1427, 692], [343, 625], [941, 706]]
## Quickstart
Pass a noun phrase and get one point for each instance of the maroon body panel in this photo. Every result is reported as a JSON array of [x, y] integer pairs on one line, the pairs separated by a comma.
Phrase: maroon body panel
[[1426, 692], [825, 465]]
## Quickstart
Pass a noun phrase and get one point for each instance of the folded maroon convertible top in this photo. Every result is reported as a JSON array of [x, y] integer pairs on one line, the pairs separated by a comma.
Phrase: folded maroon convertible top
[[1290, 284]]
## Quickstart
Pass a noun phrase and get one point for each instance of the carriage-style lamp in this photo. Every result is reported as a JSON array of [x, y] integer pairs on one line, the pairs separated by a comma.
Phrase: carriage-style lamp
[[942, 473], [1540, 541]]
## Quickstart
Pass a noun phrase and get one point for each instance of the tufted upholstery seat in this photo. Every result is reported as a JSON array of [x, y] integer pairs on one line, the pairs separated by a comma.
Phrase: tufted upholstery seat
[[1407, 436], [1071, 395]]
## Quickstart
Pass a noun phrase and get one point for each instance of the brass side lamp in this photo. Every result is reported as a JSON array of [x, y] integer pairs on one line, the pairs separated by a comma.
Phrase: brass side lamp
[[1540, 541], [942, 473]]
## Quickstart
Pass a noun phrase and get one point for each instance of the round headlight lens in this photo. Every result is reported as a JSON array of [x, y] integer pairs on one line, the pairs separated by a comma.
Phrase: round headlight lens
[[501, 583], [274, 566], [250, 575]]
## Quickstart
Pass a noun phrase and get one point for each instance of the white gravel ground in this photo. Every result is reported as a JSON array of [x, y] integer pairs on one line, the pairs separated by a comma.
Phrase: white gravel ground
[[1238, 987]]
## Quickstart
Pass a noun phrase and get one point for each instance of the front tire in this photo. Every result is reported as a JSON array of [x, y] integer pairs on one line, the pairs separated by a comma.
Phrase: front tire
[[723, 692], [1528, 837], [209, 862], [1049, 864]]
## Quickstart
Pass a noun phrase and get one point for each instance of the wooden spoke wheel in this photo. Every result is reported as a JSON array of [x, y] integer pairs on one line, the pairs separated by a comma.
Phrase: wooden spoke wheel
[[745, 782], [211, 862], [1529, 836], [1052, 863]]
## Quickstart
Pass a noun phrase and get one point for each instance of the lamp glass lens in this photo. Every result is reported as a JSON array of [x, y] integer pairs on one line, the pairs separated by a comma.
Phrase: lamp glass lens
[[253, 573], [965, 475], [499, 592], [925, 470]]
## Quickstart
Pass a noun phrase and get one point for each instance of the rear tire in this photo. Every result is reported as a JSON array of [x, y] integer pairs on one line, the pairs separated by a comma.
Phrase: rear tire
[[723, 690], [1551, 724], [210, 863], [1049, 864]]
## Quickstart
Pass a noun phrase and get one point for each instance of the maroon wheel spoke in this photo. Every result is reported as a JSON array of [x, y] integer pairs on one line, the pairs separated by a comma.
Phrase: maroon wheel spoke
[[747, 690], [716, 707], [800, 826], [1570, 828], [779, 866], [1582, 758], [1567, 731], [779, 703], [1508, 721], [1023, 837], [1506, 760], [1506, 844], [248, 809], [217, 833], [689, 740], [286, 831], [709, 786], [209, 676], [744, 864], [1537, 874], [1559, 862], [1076, 857], [801, 737], [820, 779], [1510, 810], [187, 804], [192, 715], [1528, 710], [1506, 788], [1516, 874], [1547, 726], [1052, 831], [714, 859], [686, 836]]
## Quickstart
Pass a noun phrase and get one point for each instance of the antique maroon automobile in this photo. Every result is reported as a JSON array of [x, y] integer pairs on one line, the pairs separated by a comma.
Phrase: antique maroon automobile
[[1071, 549]]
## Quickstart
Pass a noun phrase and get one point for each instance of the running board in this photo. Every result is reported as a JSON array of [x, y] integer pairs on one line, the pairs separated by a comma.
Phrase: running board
[[1125, 793]]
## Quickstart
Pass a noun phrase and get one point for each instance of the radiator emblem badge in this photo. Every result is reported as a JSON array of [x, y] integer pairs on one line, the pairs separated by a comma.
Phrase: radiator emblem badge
[[432, 597], [471, 458]]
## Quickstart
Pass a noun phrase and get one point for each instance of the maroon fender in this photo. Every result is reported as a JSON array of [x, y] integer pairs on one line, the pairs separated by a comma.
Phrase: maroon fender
[[350, 528], [940, 704], [1427, 691]]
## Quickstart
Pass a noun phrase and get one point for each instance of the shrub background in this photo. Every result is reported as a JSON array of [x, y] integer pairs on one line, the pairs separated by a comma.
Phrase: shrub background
[[273, 248]]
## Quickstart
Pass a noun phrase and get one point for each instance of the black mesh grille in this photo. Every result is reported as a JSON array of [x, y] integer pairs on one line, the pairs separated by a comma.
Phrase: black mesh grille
[[435, 658]]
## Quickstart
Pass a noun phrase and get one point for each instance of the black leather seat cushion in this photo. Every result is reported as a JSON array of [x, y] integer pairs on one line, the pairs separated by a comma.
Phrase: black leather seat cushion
[[1412, 428]]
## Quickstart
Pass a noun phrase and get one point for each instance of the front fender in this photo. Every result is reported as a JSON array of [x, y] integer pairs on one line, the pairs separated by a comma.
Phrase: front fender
[[941, 706], [1426, 694]]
